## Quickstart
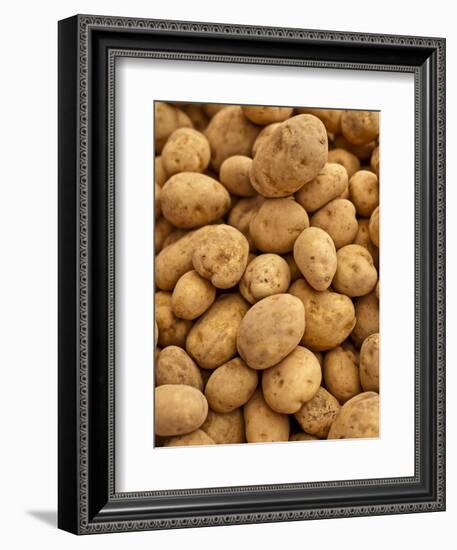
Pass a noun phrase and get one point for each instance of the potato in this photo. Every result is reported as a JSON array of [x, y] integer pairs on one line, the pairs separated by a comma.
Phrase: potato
[[341, 374], [330, 117], [162, 229], [355, 273], [192, 200], [317, 415], [377, 291], [350, 348], [230, 133], [315, 255], [363, 239], [276, 225], [262, 423], [174, 366], [270, 330], [338, 219], [302, 436], [225, 428], [212, 340], [230, 386], [292, 382], [360, 127], [340, 156], [178, 409], [291, 156], [374, 161], [330, 317], [367, 313], [369, 363], [234, 175], [331, 181], [266, 275], [241, 214], [192, 296], [198, 437], [160, 176], [197, 115], [373, 227], [172, 331], [167, 119], [358, 417], [266, 115], [364, 192], [362, 152], [157, 201], [295, 273], [264, 133], [174, 236], [186, 150]]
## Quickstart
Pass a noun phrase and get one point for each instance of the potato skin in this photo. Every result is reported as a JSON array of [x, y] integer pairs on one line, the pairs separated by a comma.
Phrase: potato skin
[[364, 192], [172, 331], [360, 127], [270, 330], [355, 273], [225, 428], [318, 414], [358, 417], [367, 314], [290, 157], [292, 382], [186, 150], [262, 423], [230, 386], [369, 363], [192, 200], [338, 219], [266, 275], [192, 296], [266, 115], [198, 437], [315, 256], [234, 175], [167, 118], [212, 340], [178, 409], [340, 156], [341, 374], [373, 227], [174, 366], [331, 181]]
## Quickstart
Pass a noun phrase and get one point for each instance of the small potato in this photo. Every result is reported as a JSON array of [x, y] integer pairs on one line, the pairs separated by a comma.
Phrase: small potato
[[358, 417], [160, 175], [262, 423], [340, 156], [264, 133], [315, 255], [317, 415], [266, 115], [212, 340], [192, 200], [241, 214], [374, 161], [266, 275], [330, 317], [234, 175], [230, 133], [360, 127], [167, 119], [355, 273], [270, 330], [163, 228], [362, 152], [369, 363], [302, 436], [291, 156], [186, 150], [373, 227], [157, 201], [331, 181], [338, 219], [276, 225], [192, 296], [225, 428], [292, 382], [178, 409], [363, 239], [364, 192], [172, 331], [367, 313], [230, 386], [197, 115], [295, 273], [198, 437], [221, 255], [341, 374], [174, 366]]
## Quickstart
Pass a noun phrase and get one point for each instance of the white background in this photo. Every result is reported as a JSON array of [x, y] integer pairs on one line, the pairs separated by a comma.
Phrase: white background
[[28, 304]]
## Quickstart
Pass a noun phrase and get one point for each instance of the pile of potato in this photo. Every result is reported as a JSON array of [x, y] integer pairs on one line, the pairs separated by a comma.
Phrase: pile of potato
[[266, 274]]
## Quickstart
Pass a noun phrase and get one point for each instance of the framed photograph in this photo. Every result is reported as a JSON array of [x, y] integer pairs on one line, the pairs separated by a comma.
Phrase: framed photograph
[[251, 274]]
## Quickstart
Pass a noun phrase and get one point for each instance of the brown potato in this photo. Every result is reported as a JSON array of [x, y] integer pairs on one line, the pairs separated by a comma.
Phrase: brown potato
[[167, 119], [270, 330], [377, 290], [198, 437], [364, 192], [174, 236], [338, 219], [178, 409], [225, 428], [331, 181], [367, 313], [355, 273], [266, 115], [330, 117], [192, 296], [160, 175], [241, 214], [266, 275], [341, 374], [262, 423], [162, 229], [174, 366], [369, 363], [317, 415], [186, 150], [358, 417], [360, 127], [374, 161], [373, 227], [363, 239], [234, 175], [172, 331], [264, 133], [340, 156], [302, 436]]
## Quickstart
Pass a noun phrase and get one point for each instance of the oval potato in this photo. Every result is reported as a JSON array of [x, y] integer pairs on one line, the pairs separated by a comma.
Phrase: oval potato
[[262, 423], [178, 409], [265, 275]]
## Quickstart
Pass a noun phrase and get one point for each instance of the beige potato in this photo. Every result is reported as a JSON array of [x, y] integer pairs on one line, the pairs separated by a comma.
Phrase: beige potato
[[360, 127], [262, 423], [270, 330], [355, 273], [302, 436], [341, 374], [162, 229], [198, 437], [259, 114], [192, 296], [373, 227], [178, 409], [362, 152], [167, 119], [340, 156], [197, 115], [315, 255], [241, 214], [330, 317], [264, 133], [160, 175], [186, 150], [234, 175], [330, 117], [374, 161], [292, 382], [318, 414], [230, 133], [266, 275], [174, 366], [369, 363], [367, 313], [331, 181], [338, 219], [191, 200], [364, 192], [276, 225], [225, 428], [295, 273], [212, 340], [172, 330], [291, 156], [363, 239], [358, 417]]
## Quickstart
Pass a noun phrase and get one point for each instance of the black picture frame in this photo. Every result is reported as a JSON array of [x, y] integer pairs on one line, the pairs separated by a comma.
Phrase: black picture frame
[[87, 500]]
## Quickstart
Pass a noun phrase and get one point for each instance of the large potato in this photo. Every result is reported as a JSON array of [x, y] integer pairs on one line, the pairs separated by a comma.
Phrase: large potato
[[340, 156], [341, 374], [355, 273], [167, 119], [212, 340], [172, 330], [369, 363], [315, 256], [338, 219], [234, 175], [292, 382], [363, 239], [266, 275], [373, 226], [358, 417], [262, 115], [262, 423], [330, 117], [270, 330], [360, 127], [242, 213], [331, 181], [192, 296], [178, 409], [317, 415], [198, 437], [174, 366], [225, 428], [186, 150], [364, 192], [367, 314]]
